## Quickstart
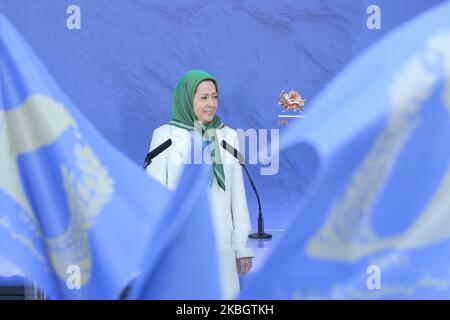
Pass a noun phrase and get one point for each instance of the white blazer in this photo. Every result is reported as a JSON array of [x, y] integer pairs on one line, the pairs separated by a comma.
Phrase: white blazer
[[229, 208]]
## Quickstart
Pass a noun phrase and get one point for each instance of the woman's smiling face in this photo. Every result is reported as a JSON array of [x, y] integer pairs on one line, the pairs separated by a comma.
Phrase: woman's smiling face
[[205, 101]]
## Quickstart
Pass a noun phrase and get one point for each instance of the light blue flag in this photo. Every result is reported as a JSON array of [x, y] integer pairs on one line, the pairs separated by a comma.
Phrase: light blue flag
[[183, 263], [376, 222], [75, 215]]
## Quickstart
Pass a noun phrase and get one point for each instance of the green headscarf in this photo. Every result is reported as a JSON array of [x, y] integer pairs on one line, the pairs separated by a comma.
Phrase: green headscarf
[[183, 116]]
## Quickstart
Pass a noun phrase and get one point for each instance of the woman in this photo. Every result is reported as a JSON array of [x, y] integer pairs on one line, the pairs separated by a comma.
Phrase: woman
[[195, 101]]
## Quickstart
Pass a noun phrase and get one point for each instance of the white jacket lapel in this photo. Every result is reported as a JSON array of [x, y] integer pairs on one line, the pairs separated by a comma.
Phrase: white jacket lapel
[[180, 141]]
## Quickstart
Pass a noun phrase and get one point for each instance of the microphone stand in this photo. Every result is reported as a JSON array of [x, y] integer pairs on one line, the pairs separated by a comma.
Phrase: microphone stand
[[155, 152], [147, 161], [236, 154], [260, 234]]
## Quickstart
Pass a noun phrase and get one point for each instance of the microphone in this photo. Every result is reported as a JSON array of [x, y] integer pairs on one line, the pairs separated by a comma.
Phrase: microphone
[[155, 152], [240, 157]]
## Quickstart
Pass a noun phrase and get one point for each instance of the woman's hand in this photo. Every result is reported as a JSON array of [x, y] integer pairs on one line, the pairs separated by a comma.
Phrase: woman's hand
[[244, 265]]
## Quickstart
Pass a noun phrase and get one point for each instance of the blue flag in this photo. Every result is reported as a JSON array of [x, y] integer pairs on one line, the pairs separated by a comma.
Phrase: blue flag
[[75, 215], [376, 221], [183, 264]]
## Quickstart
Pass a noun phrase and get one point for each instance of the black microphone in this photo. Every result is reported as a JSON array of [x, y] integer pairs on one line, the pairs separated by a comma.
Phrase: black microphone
[[155, 152], [240, 157]]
